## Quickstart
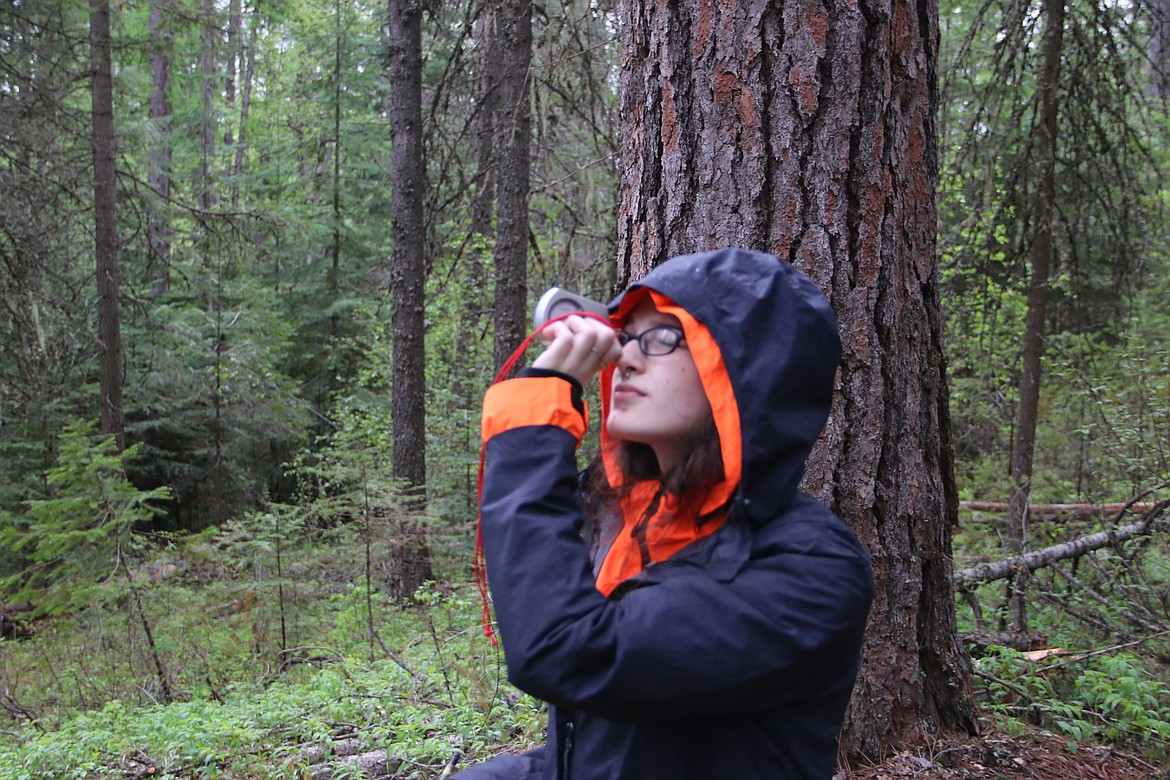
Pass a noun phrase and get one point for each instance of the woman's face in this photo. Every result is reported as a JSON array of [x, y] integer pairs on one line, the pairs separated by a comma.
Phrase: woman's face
[[657, 400]]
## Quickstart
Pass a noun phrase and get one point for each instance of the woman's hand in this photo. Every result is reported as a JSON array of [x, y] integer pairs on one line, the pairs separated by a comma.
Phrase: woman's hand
[[578, 346]]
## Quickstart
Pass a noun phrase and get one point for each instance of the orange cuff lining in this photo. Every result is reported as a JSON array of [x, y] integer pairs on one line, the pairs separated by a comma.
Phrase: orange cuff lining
[[517, 403]]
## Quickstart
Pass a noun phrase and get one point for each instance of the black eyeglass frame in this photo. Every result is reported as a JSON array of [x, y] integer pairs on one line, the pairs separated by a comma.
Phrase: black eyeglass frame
[[625, 338]]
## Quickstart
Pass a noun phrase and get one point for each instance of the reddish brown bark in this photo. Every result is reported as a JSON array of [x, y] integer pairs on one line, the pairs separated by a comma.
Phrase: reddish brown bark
[[807, 130]]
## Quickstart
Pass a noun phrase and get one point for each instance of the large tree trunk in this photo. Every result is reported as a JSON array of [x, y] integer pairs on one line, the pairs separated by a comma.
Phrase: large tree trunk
[[1035, 321], [410, 560], [514, 142], [808, 131], [105, 192]]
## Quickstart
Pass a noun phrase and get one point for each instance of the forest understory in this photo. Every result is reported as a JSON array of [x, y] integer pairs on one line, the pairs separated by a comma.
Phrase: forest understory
[[270, 649], [396, 698], [997, 755]]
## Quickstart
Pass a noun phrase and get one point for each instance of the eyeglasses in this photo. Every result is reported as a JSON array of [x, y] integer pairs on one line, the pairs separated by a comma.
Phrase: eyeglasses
[[659, 340]]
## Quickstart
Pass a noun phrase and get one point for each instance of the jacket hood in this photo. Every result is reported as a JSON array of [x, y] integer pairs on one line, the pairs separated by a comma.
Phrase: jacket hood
[[777, 348]]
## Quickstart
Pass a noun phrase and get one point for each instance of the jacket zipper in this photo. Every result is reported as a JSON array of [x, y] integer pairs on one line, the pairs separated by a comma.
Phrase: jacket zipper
[[567, 750]]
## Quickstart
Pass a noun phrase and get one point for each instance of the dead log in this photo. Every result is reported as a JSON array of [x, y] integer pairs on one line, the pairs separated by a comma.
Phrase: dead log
[[998, 570], [978, 641], [1090, 510], [373, 764]]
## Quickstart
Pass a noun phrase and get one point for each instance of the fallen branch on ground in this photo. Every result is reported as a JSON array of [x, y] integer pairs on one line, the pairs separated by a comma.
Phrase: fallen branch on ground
[[1076, 659], [998, 570], [1139, 508]]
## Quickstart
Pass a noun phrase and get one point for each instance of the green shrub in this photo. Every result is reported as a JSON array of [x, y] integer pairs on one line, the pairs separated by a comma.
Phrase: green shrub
[[1106, 698]]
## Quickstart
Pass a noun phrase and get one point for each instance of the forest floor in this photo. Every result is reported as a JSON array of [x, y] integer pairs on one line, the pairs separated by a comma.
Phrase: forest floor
[[999, 756], [224, 621]]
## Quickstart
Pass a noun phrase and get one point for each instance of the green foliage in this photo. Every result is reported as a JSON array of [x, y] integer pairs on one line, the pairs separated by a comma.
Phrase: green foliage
[[266, 304], [1098, 436], [1106, 698], [1105, 396], [211, 408], [459, 370], [983, 350], [347, 470], [74, 541], [27, 450], [1111, 398], [440, 689]]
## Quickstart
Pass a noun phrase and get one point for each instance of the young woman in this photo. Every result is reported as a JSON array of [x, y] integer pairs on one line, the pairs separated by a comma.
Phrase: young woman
[[684, 609]]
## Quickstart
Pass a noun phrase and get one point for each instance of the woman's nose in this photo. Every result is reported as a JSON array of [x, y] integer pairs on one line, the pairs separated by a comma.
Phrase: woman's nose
[[631, 357]]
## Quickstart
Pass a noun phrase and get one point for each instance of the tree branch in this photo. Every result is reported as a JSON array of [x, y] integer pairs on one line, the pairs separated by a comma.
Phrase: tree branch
[[1139, 508], [998, 570]]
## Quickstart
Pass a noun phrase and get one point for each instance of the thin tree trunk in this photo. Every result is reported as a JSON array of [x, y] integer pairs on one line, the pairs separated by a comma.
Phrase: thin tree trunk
[[808, 131], [1160, 48], [514, 139], [490, 49], [203, 174], [105, 191], [158, 229], [1074, 548], [335, 264], [1024, 447], [408, 282], [280, 594], [245, 106], [163, 677], [1074, 510], [219, 471], [231, 66], [408, 182]]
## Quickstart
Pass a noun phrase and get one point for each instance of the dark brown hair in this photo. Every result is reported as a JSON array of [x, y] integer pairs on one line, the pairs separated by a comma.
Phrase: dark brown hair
[[699, 471]]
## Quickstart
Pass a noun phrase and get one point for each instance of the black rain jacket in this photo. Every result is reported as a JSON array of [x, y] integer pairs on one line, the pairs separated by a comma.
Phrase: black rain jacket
[[735, 658]]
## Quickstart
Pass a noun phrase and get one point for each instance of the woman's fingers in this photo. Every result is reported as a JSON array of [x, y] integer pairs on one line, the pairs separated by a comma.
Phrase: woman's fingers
[[579, 347], [594, 343]]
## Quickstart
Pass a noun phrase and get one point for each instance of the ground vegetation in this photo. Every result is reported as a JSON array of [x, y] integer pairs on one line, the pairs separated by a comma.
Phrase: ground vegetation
[[249, 587]]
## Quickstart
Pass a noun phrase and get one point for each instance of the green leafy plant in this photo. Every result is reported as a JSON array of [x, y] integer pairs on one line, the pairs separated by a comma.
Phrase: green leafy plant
[[441, 690], [1106, 698]]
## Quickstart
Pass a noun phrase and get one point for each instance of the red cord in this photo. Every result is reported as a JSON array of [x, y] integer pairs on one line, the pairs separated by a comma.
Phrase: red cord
[[478, 564]]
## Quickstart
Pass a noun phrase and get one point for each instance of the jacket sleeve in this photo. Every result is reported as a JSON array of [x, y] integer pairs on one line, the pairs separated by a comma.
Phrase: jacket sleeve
[[786, 628]]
